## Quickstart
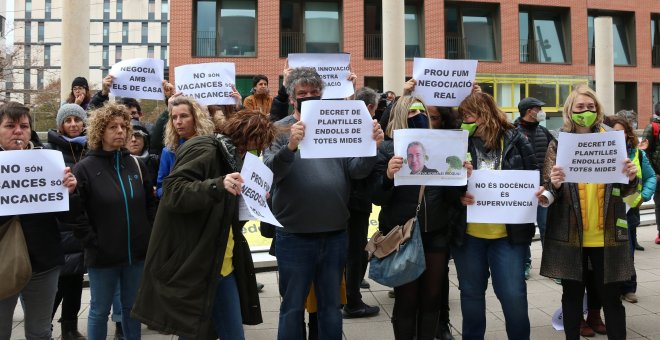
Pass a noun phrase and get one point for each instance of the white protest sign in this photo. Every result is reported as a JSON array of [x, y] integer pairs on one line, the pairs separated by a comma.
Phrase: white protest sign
[[333, 69], [336, 128], [503, 196], [431, 157], [558, 315], [442, 82], [592, 157], [257, 181], [140, 78], [31, 182], [209, 84]]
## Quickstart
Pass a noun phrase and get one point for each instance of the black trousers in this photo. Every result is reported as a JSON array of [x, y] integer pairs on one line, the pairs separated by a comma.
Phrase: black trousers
[[356, 261], [69, 292], [573, 293]]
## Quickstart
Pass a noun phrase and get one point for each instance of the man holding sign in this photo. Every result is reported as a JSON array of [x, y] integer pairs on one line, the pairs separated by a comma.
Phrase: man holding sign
[[587, 227], [38, 223], [312, 245]]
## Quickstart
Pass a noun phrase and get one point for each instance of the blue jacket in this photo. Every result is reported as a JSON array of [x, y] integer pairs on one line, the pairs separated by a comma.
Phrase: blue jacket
[[167, 158], [648, 175]]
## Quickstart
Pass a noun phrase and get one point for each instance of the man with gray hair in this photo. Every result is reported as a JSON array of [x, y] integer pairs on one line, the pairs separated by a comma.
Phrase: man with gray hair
[[310, 199]]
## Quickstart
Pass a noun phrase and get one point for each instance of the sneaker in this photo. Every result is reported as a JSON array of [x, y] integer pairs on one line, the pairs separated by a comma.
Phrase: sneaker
[[585, 330], [657, 239], [630, 297], [360, 312], [528, 268], [260, 286], [364, 284], [391, 294]]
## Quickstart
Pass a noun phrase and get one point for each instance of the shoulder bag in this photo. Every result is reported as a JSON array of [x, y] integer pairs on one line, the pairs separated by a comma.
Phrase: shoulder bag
[[15, 267], [398, 257]]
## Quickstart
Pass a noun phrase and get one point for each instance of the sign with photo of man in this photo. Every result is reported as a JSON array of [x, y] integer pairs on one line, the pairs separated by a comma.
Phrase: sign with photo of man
[[431, 157]]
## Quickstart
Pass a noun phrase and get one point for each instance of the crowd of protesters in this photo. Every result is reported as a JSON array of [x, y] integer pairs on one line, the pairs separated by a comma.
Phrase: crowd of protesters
[[154, 221]]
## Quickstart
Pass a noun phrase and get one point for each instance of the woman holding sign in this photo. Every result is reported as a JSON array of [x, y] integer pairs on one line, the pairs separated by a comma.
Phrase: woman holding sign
[[490, 249], [120, 207], [587, 226], [199, 281], [186, 121], [417, 304], [42, 238]]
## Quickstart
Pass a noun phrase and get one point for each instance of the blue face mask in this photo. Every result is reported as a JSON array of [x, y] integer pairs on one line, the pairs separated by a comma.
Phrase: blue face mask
[[420, 121]]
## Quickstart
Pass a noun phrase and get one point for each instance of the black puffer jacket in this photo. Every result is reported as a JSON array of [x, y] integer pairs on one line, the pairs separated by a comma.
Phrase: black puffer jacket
[[440, 205], [118, 198], [518, 155], [538, 137], [72, 152]]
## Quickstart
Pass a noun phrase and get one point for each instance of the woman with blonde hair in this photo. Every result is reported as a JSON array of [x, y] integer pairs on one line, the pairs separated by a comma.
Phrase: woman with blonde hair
[[587, 224], [493, 249], [186, 120], [417, 304]]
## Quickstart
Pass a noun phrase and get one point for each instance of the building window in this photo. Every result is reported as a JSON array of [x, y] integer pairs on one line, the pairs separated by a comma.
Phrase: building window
[[164, 10], [48, 8], [28, 31], [225, 28], [106, 9], [105, 54], [40, 79], [375, 83], [28, 9], [152, 10], [104, 72], [471, 31], [117, 54], [310, 26], [106, 32], [150, 52], [655, 94], [47, 55], [163, 33], [413, 28], [124, 32], [40, 32], [163, 54], [625, 96], [120, 9], [544, 34], [373, 29], [655, 39], [623, 36], [27, 56], [145, 32], [2, 26]]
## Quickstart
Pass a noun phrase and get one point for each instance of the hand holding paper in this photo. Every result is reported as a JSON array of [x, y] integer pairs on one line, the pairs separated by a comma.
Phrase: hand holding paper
[[297, 134]]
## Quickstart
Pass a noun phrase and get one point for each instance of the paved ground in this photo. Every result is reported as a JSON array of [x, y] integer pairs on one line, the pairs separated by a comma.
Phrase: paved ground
[[643, 318]]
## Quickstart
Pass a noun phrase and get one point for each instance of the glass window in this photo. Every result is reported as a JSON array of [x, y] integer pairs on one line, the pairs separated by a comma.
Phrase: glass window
[[47, 55], [2, 26], [163, 33], [40, 79], [28, 31], [373, 32], [542, 35], [622, 36], [48, 8], [105, 55], [375, 83], [412, 28], [238, 24], [205, 28], [655, 39], [546, 93], [145, 32], [470, 33], [120, 8], [117, 53], [322, 34], [152, 10], [655, 94], [106, 9], [291, 27], [625, 96], [509, 94], [40, 32], [124, 32], [164, 10], [28, 9], [163, 53], [106, 32], [150, 52]]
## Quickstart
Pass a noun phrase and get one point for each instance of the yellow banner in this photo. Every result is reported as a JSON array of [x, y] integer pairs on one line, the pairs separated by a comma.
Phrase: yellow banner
[[256, 241]]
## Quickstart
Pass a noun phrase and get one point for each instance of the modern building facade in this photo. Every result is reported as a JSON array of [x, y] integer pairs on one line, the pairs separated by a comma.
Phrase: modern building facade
[[119, 29], [539, 48]]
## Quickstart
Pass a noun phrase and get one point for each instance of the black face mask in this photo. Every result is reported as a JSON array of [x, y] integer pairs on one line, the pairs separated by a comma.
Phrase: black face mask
[[420, 121], [304, 99]]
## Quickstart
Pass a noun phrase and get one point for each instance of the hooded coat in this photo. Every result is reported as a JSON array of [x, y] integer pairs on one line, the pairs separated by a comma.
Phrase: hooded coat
[[188, 244]]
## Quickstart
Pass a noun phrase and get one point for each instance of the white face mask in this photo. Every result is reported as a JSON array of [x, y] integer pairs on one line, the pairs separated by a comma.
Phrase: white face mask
[[540, 116]]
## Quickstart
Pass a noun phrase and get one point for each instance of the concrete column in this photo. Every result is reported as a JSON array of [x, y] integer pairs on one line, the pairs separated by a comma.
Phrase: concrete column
[[604, 63], [75, 44], [394, 46]]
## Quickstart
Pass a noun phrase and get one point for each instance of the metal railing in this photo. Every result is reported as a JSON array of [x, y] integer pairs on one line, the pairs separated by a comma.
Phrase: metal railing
[[373, 46], [205, 43], [455, 47], [291, 42]]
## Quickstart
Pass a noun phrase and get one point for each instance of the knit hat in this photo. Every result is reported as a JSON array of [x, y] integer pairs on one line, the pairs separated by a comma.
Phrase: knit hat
[[80, 81], [67, 110]]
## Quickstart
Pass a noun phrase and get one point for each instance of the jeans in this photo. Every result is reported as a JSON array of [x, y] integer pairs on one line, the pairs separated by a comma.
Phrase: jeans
[[541, 217], [301, 260], [116, 305], [573, 292], [226, 313], [475, 261], [69, 292], [356, 261], [103, 284], [37, 298]]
